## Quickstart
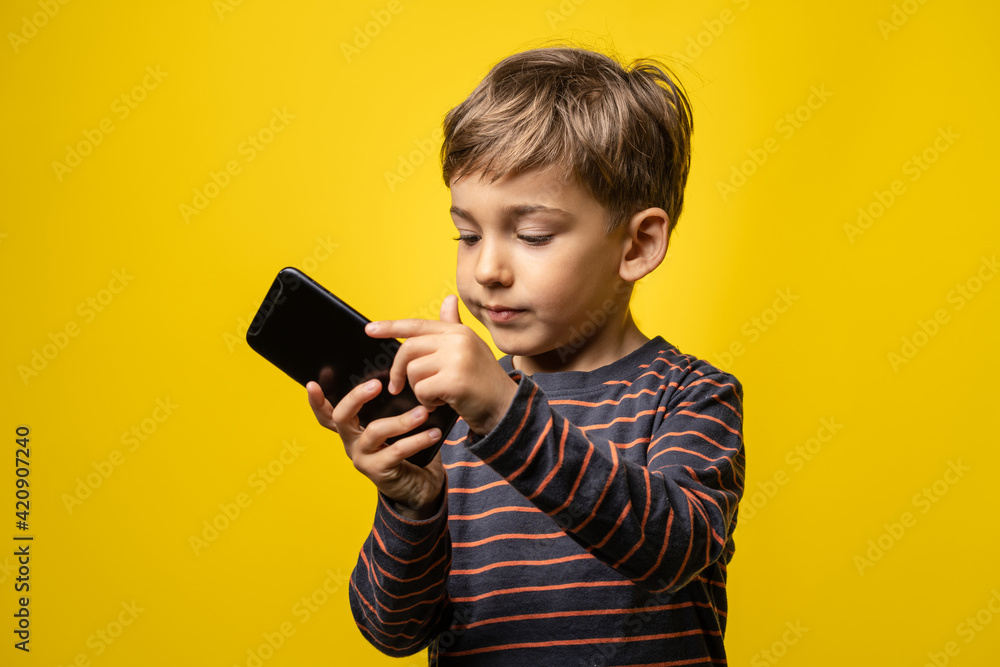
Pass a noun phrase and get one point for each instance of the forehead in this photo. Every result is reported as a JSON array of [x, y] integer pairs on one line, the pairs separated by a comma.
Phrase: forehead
[[539, 188]]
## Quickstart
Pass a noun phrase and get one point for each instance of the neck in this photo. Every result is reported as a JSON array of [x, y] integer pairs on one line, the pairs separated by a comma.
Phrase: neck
[[608, 345]]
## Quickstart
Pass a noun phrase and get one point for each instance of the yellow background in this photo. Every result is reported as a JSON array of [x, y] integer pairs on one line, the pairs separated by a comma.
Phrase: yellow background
[[349, 189]]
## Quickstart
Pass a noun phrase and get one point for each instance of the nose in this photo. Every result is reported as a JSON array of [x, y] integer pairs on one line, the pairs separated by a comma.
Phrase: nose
[[492, 267]]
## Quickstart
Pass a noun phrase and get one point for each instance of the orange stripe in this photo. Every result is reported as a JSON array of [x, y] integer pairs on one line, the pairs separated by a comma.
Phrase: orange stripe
[[604, 491], [701, 508], [697, 433], [463, 464], [642, 524], [642, 413], [621, 517], [630, 445], [735, 411], [663, 547], [520, 427], [378, 538], [514, 563], [687, 554], [477, 489], [537, 589], [708, 543], [579, 479], [571, 614], [582, 642], [495, 510], [537, 448], [710, 418], [562, 452], [510, 536], [588, 404]]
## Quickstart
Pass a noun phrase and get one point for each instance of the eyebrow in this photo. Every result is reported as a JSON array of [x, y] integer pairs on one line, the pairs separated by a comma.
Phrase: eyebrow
[[514, 211]]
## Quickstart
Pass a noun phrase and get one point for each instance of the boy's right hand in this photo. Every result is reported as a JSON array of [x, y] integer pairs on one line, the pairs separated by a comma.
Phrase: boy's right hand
[[416, 491]]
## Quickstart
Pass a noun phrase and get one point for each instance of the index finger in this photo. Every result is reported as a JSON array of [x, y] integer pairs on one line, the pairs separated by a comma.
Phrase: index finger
[[345, 414], [405, 328]]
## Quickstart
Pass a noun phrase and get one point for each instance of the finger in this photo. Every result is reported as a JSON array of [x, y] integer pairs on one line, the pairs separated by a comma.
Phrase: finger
[[412, 349], [405, 328], [380, 430], [320, 406], [397, 453], [427, 381], [345, 414], [449, 310]]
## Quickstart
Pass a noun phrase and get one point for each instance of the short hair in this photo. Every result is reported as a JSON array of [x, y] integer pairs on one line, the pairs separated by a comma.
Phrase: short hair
[[624, 131]]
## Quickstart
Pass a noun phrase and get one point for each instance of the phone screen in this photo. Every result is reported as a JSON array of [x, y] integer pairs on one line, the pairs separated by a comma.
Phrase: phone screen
[[312, 335]]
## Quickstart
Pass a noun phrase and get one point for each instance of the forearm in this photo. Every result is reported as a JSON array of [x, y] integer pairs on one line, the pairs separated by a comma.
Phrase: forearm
[[657, 519], [398, 593]]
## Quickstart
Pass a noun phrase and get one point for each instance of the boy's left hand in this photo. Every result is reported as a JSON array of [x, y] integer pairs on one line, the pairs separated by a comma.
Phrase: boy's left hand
[[446, 362]]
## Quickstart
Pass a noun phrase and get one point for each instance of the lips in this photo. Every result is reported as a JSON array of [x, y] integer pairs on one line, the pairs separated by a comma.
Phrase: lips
[[502, 314]]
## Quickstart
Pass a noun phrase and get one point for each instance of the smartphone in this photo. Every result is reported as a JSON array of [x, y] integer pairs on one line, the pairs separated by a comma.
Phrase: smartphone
[[310, 334]]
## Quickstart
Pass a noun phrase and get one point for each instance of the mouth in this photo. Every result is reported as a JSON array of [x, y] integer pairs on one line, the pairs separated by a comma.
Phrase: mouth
[[502, 314]]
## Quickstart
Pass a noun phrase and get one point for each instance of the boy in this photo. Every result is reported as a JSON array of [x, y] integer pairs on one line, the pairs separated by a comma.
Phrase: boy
[[592, 483]]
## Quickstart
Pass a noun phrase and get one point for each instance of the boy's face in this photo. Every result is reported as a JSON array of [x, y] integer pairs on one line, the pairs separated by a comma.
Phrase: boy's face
[[537, 268]]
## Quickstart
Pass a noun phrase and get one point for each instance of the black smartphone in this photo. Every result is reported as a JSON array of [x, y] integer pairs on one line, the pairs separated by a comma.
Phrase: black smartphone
[[310, 334]]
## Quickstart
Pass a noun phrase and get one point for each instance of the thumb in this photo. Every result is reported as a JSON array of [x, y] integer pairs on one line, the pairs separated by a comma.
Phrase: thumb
[[449, 310]]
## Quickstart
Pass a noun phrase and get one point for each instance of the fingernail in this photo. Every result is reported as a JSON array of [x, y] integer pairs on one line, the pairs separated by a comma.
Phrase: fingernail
[[419, 413], [372, 384], [433, 434], [371, 327]]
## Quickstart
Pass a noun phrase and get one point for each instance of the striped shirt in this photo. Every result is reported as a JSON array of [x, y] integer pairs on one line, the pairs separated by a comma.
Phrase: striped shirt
[[592, 526]]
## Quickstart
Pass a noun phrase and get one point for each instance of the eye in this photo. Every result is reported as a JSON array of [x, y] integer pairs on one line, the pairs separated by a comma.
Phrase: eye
[[468, 239], [534, 240]]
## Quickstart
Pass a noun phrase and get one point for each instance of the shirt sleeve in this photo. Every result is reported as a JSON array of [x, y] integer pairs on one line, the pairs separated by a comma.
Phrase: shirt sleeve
[[659, 523], [397, 591]]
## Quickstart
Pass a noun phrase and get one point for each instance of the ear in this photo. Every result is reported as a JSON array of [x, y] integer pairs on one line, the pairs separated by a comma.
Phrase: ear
[[645, 239]]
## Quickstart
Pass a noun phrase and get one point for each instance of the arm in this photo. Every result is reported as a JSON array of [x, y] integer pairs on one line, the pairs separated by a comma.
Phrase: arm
[[658, 524], [658, 521], [397, 589]]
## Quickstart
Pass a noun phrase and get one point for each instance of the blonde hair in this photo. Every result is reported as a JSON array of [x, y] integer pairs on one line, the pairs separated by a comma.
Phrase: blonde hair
[[623, 131]]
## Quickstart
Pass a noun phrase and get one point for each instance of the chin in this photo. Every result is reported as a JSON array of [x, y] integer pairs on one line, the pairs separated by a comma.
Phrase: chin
[[521, 346]]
